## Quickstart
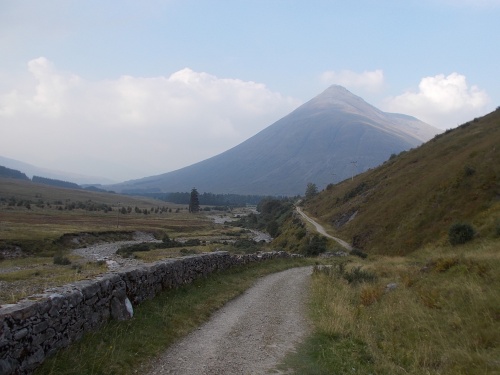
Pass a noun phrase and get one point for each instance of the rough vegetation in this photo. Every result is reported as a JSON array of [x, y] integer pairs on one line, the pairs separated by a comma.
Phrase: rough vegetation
[[415, 197], [435, 311]]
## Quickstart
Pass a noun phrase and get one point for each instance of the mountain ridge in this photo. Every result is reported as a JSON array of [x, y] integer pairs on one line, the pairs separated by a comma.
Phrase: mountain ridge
[[321, 138], [32, 170]]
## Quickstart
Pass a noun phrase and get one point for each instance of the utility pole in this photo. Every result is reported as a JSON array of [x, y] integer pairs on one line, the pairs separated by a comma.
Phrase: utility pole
[[354, 165]]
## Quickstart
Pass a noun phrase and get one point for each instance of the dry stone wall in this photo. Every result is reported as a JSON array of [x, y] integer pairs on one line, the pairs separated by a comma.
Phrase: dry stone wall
[[40, 325]]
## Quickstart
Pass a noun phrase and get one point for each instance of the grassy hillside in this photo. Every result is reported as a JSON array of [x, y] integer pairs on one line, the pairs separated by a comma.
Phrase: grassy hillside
[[414, 198], [34, 215], [34, 192]]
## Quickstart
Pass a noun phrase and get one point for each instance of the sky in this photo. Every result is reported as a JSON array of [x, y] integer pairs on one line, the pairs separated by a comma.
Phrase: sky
[[127, 89]]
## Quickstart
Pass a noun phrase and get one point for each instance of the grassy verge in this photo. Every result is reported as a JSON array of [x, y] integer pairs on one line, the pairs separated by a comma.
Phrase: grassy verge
[[436, 312], [126, 347]]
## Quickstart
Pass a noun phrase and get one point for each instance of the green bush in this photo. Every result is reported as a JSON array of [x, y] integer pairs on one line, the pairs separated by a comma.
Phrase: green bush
[[185, 251], [247, 246], [316, 245], [460, 233], [358, 253], [358, 275]]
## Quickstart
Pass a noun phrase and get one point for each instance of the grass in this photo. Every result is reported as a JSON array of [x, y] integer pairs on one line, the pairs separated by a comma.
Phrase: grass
[[44, 233], [441, 315], [127, 347], [20, 278], [413, 199], [47, 222]]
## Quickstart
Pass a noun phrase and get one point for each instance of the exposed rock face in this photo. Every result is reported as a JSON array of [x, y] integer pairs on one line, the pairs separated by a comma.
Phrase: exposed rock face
[[39, 325]]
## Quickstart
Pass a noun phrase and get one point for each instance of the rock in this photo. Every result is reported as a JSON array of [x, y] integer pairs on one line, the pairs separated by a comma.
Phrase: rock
[[121, 309], [390, 287]]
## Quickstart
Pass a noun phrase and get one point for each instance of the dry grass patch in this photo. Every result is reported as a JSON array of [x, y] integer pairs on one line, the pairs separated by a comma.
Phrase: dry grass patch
[[429, 313], [20, 278]]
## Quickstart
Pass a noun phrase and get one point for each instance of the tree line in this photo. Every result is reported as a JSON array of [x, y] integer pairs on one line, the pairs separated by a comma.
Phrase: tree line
[[208, 199]]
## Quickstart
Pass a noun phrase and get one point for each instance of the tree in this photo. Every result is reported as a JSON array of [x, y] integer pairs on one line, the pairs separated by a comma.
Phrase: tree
[[194, 202], [311, 190]]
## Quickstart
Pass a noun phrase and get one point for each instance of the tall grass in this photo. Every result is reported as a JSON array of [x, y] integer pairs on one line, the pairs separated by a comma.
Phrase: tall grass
[[439, 315]]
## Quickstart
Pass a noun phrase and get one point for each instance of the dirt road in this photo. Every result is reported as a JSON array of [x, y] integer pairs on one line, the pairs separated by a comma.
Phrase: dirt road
[[322, 230], [250, 335]]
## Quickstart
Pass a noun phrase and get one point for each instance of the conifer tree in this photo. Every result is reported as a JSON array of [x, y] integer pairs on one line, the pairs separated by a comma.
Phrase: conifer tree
[[194, 202]]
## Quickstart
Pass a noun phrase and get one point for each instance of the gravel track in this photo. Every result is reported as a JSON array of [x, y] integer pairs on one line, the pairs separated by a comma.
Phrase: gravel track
[[249, 335], [321, 230]]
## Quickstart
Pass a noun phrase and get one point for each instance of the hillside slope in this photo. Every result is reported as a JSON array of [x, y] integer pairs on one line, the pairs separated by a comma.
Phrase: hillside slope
[[318, 142], [415, 197]]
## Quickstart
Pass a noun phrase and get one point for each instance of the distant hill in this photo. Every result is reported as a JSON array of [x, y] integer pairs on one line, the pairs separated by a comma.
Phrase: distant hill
[[26, 190], [54, 182], [329, 138], [12, 173], [413, 199], [32, 170]]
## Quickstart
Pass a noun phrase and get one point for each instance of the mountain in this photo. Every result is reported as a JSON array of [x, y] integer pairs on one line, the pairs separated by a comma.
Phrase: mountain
[[31, 170], [413, 199], [329, 138]]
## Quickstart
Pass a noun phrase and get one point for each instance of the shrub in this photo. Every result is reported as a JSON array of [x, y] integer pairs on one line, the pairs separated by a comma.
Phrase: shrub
[[315, 246], [273, 228], [469, 171], [301, 233], [358, 253], [127, 251], [460, 233], [192, 242], [358, 275], [61, 260], [247, 246], [188, 251]]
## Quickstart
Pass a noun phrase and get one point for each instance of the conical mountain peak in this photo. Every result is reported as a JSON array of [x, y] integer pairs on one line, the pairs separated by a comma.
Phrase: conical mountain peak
[[321, 137], [339, 98]]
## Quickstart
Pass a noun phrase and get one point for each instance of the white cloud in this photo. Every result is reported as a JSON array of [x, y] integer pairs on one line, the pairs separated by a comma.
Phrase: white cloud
[[441, 101], [136, 126], [370, 81]]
